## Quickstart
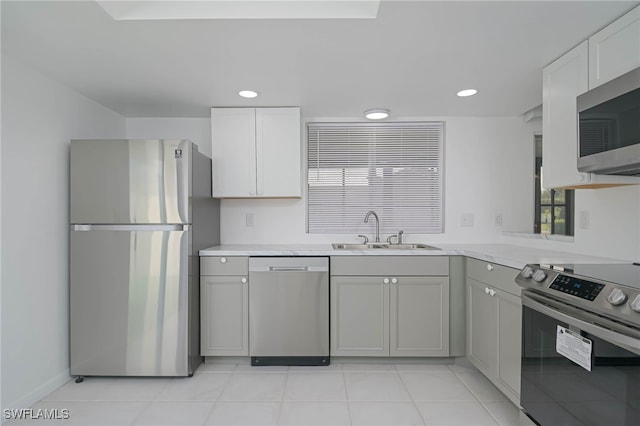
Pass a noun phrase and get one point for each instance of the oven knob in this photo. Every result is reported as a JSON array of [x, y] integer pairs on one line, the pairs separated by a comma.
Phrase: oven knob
[[616, 297], [635, 304], [539, 275], [527, 272]]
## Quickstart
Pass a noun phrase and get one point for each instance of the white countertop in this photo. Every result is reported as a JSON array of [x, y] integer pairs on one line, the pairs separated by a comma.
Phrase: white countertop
[[503, 254]]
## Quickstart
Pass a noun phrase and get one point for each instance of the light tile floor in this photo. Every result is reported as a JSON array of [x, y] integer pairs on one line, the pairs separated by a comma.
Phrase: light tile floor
[[238, 394]]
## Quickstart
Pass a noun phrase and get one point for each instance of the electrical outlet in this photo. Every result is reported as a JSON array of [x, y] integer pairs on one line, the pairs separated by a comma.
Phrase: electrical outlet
[[585, 219], [249, 220], [467, 219], [498, 219]]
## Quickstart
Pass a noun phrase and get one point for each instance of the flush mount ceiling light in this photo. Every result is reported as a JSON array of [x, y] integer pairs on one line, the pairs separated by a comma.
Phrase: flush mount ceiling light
[[376, 114], [141, 10], [248, 93], [467, 92]]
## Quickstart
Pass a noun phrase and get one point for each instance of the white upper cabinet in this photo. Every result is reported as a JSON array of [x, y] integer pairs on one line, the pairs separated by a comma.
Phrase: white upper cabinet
[[615, 50], [256, 152], [562, 82]]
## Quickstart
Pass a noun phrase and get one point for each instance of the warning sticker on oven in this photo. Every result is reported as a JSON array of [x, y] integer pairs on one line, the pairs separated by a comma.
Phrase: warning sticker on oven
[[573, 346]]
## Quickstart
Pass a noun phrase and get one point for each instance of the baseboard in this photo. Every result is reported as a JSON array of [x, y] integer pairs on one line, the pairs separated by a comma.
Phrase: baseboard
[[40, 392]]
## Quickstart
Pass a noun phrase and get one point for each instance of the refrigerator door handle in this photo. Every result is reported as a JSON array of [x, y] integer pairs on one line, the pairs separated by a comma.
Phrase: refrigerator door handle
[[87, 227]]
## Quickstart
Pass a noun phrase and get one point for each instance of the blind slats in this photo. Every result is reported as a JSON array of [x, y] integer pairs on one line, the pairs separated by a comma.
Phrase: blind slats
[[392, 168]]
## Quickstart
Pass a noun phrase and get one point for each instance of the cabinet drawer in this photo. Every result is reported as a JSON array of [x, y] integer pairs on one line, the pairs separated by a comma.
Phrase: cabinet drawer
[[390, 265], [497, 276], [224, 265]]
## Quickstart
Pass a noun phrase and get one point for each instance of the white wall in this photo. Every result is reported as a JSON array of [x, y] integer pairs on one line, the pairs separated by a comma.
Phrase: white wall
[[39, 117], [197, 130], [613, 229], [488, 170]]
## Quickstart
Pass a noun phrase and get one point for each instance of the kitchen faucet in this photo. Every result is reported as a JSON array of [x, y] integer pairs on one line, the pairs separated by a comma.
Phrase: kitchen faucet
[[366, 220]]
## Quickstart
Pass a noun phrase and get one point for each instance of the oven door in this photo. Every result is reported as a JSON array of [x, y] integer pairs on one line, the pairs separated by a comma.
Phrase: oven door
[[556, 391]]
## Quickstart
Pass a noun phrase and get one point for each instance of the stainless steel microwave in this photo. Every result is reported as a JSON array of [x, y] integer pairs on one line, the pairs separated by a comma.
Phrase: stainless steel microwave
[[609, 127]]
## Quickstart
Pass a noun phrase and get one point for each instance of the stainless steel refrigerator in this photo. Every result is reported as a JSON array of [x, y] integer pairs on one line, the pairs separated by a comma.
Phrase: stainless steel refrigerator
[[139, 210]]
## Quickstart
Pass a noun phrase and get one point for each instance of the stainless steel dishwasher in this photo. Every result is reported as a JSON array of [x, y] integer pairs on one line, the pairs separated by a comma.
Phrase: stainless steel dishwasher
[[289, 310]]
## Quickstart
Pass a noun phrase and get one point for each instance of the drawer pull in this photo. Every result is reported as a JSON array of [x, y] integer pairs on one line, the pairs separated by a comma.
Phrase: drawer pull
[[223, 260], [243, 280], [489, 267]]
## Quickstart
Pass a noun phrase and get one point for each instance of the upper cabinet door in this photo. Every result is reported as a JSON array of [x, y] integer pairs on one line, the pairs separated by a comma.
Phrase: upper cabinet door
[[233, 151], [278, 157], [256, 152], [615, 50], [562, 82]]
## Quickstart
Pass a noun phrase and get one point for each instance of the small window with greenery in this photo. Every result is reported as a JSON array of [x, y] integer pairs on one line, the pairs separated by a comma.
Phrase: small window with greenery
[[394, 169], [553, 207]]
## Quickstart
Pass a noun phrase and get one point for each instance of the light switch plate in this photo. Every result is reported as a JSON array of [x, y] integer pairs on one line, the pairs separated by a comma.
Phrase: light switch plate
[[249, 220], [467, 220], [585, 219]]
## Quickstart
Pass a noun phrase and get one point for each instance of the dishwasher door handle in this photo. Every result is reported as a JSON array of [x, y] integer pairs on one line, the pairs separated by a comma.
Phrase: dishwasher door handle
[[288, 268]]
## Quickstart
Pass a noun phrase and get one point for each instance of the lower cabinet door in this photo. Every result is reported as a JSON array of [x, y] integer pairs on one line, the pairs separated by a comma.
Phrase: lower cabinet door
[[359, 316], [419, 322], [224, 313], [509, 344], [482, 332]]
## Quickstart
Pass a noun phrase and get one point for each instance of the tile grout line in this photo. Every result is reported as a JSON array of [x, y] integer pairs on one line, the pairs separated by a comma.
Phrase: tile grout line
[[346, 395], [490, 413], [284, 390], [215, 402], [133, 422], [413, 401]]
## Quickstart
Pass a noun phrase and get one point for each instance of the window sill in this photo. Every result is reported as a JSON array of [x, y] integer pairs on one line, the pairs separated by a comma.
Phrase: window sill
[[561, 238]]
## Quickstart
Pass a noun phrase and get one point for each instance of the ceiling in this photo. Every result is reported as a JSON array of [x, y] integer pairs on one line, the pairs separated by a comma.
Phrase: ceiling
[[412, 58]]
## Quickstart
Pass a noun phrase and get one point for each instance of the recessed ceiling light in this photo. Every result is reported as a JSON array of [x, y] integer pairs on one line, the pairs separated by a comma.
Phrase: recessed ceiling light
[[467, 92], [376, 114], [248, 93]]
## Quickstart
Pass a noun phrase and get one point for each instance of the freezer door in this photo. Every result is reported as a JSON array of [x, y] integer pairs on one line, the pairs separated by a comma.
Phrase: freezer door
[[130, 181], [129, 303]]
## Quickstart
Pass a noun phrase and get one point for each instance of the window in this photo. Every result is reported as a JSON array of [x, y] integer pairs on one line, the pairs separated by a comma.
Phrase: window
[[394, 169], [554, 207]]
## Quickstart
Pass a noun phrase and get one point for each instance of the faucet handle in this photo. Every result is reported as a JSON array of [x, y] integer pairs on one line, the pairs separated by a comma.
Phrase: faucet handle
[[366, 239], [400, 236], [390, 237]]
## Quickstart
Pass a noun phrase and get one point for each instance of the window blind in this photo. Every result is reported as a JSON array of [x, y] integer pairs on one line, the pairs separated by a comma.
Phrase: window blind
[[394, 169]]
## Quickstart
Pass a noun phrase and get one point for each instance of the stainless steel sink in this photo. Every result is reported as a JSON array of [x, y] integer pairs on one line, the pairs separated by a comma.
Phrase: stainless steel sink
[[378, 246], [410, 246], [356, 246]]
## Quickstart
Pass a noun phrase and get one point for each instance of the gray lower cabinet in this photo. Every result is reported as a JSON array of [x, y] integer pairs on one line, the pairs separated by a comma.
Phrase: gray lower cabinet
[[396, 314], [494, 325], [359, 316], [419, 316], [224, 309]]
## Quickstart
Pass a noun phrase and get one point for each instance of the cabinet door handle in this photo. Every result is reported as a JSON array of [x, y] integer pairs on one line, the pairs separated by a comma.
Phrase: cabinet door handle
[[394, 281], [243, 280], [489, 267], [492, 292], [385, 281], [486, 290]]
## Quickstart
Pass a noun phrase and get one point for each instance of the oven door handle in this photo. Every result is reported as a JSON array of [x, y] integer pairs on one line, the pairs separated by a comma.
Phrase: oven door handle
[[631, 344]]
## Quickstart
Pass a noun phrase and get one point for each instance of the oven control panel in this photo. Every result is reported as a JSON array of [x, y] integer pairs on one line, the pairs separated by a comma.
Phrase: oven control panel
[[609, 290], [576, 287]]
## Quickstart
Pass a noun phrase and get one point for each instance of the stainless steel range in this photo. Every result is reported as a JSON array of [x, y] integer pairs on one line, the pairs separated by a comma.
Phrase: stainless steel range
[[581, 344]]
